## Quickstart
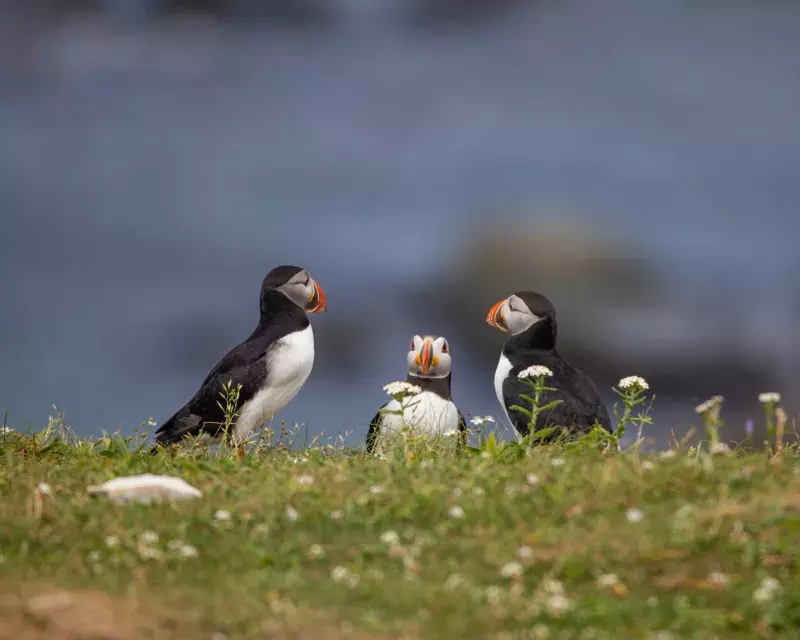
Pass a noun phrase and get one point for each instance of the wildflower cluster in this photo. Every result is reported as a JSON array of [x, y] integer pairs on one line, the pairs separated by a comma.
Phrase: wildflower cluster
[[634, 381], [536, 371], [535, 377], [770, 401], [401, 389], [632, 391]]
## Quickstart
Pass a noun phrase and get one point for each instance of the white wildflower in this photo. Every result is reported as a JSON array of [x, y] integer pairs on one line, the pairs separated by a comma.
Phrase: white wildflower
[[149, 553], [766, 590], [151, 422], [478, 420], [339, 574], [376, 489], [305, 480], [708, 405], [456, 512], [769, 398], [426, 464], [453, 582], [634, 515], [316, 551], [607, 580], [718, 579], [540, 632], [390, 538], [404, 388], [450, 433], [95, 556], [536, 371], [494, 595], [291, 514], [112, 542], [647, 465], [633, 381], [557, 604], [524, 553], [222, 515], [175, 545], [668, 454], [533, 479], [6, 430], [557, 462], [336, 515], [45, 489], [188, 551], [148, 537], [552, 586], [512, 570], [343, 575], [720, 448]]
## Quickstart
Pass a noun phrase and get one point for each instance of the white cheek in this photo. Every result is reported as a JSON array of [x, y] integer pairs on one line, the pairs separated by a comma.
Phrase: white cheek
[[518, 321]]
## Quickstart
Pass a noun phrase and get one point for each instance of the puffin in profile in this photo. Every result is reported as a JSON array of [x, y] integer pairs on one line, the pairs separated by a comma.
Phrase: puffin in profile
[[271, 365], [431, 411], [530, 320]]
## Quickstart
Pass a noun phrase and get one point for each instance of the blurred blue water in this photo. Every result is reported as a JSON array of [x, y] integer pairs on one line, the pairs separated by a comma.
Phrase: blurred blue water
[[151, 175]]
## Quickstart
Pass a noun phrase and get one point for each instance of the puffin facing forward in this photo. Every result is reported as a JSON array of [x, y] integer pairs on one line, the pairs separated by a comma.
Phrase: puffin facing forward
[[430, 412], [271, 365], [530, 319]]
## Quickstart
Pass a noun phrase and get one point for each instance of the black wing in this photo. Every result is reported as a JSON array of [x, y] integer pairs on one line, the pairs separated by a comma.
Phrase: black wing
[[579, 410], [512, 388], [374, 431], [463, 433], [244, 365]]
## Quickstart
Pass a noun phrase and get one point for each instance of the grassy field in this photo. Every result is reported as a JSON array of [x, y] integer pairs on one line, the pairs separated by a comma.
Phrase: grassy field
[[324, 543]]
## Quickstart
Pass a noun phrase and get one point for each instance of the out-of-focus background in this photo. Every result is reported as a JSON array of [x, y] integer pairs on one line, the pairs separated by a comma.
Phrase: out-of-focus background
[[637, 162]]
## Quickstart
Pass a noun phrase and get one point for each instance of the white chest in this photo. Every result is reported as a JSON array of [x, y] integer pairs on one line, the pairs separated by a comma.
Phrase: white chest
[[289, 363], [427, 414], [504, 367]]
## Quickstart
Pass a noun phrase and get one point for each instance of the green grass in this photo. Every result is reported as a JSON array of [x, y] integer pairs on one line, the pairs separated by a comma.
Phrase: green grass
[[713, 529]]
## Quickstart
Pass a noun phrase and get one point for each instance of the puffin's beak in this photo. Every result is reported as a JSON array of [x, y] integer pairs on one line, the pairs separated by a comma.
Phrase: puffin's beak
[[426, 359], [495, 316], [316, 301]]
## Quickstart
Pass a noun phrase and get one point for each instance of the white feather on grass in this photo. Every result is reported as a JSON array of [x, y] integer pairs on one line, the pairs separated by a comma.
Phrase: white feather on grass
[[145, 488]]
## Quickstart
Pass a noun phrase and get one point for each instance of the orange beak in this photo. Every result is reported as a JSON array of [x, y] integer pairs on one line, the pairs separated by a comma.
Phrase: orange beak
[[316, 301], [495, 316], [426, 358]]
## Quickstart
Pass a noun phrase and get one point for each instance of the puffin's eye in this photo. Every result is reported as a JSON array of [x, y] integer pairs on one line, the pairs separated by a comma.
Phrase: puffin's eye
[[445, 348], [413, 348]]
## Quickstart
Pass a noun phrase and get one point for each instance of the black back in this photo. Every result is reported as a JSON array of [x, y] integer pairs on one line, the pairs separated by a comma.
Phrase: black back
[[441, 387], [581, 406], [246, 364]]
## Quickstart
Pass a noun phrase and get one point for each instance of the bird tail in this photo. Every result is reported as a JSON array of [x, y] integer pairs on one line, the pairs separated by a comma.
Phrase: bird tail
[[163, 434]]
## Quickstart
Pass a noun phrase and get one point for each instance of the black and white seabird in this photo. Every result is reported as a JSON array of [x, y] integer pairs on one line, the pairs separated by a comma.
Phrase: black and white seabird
[[431, 412], [530, 320], [271, 365]]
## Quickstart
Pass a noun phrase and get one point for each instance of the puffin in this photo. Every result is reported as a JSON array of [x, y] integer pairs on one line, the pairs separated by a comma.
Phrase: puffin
[[271, 365], [431, 411], [530, 320]]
